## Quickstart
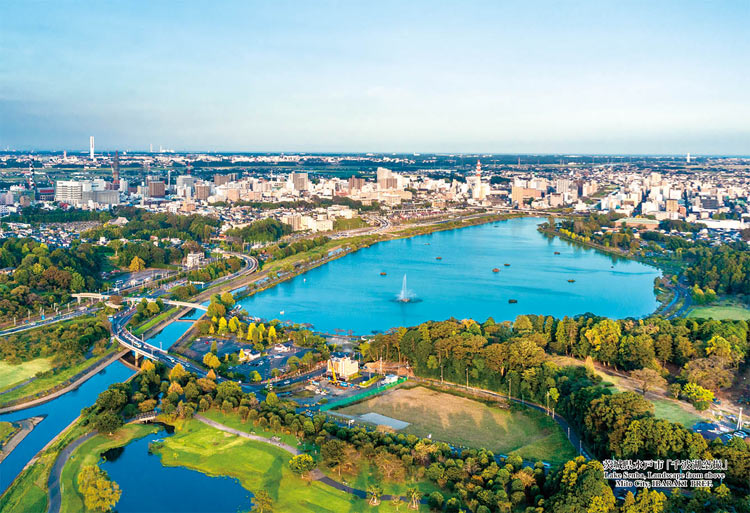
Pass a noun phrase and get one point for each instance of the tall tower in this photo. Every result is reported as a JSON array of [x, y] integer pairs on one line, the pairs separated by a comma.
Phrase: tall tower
[[479, 168], [116, 170], [91, 147], [688, 158]]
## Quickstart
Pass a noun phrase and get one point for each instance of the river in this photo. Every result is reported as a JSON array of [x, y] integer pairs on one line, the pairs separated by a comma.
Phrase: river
[[59, 413], [351, 294]]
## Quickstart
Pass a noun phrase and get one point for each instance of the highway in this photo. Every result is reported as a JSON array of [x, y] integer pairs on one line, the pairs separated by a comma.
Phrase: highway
[[49, 320]]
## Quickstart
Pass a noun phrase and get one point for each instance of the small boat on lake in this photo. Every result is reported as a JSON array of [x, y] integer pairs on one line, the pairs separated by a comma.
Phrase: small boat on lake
[[438, 258], [495, 270], [506, 265], [571, 281], [512, 301], [557, 252]]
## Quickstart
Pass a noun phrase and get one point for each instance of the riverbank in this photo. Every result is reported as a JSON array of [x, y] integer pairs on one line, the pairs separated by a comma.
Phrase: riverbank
[[60, 388]]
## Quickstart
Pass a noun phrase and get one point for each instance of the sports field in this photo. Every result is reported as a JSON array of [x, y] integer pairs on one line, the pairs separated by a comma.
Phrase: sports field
[[461, 421], [11, 375]]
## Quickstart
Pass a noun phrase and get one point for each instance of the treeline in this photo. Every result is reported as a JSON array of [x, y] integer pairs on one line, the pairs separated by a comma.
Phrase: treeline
[[284, 250], [264, 230], [215, 270], [724, 269], [150, 253], [41, 277], [142, 225], [38, 215], [66, 343]]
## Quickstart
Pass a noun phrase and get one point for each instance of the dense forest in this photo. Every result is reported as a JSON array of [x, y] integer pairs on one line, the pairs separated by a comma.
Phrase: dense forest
[[66, 343], [265, 230], [41, 277]]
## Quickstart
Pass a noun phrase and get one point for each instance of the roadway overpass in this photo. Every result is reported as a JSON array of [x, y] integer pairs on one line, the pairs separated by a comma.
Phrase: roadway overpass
[[133, 300]]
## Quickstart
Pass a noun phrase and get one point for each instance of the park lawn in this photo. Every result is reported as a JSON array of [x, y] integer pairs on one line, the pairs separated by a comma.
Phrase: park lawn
[[465, 422], [233, 420], [89, 453], [673, 411], [349, 224], [12, 374], [720, 312], [143, 328], [48, 382], [258, 466]]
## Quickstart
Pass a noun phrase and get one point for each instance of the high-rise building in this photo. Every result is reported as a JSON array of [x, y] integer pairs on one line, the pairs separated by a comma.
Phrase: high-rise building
[[222, 179], [116, 170], [156, 188], [202, 191], [356, 184], [300, 181], [91, 147]]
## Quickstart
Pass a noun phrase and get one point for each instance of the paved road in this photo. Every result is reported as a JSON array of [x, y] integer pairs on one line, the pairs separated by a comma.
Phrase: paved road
[[50, 320], [53, 483]]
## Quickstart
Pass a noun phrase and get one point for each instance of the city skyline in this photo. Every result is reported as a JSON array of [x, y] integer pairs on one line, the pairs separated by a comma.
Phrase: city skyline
[[483, 78]]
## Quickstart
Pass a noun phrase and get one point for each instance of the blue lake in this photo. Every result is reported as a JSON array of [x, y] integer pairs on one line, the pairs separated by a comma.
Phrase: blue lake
[[148, 486], [59, 413], [350, 293]]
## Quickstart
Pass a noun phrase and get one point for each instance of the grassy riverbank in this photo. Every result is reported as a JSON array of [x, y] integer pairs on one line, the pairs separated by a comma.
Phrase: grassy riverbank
[[29, 490], [41, 385], [12, 374], [258, 466], [144, 327], [7, 430], [89, 453]]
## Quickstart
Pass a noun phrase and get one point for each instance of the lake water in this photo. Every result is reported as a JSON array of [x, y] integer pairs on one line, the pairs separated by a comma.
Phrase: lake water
[[59, 413], [148, 486], [350, 293]]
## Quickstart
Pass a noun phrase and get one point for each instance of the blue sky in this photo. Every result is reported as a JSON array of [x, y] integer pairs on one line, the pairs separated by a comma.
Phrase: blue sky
[[495, 76]]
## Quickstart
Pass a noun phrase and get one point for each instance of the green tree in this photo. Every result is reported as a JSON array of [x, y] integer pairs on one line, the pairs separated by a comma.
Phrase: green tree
[[302, 464], [262, 502], [99, 493], [107, 422], [333, 454], [648, 379]]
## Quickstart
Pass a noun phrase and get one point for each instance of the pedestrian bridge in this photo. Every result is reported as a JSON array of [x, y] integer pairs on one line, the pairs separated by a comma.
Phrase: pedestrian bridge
[[105, 297]]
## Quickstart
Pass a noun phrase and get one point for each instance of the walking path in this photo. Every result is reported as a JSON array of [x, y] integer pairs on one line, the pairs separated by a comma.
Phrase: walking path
[[53, 483], [81, 378], [317, 474], [27, 426]]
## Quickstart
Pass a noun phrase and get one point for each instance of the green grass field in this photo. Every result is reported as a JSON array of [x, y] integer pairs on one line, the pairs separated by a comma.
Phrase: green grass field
[[7, 430], [461, 421], [11, 375], [47, 382], [674, 412], [720, 312], [89, 454], [257, 466]]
